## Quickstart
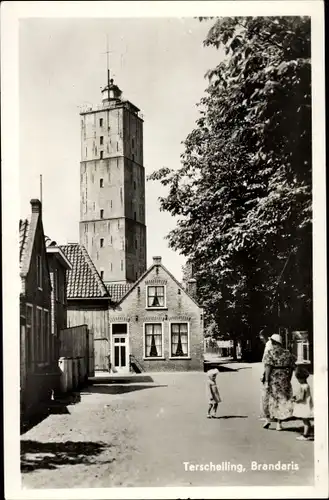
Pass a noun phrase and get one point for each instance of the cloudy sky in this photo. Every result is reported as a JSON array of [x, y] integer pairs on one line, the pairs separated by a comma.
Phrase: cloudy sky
[[159, 65]]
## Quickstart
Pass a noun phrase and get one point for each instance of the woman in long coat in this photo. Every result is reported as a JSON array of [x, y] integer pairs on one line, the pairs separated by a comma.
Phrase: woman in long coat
[[279, 365]]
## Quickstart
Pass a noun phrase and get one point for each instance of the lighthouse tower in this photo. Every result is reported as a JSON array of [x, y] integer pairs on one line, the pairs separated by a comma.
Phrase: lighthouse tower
[[112, 187]]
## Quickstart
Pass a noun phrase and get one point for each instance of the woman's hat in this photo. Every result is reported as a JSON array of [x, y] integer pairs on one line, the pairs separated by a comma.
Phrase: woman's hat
[[277, 338]]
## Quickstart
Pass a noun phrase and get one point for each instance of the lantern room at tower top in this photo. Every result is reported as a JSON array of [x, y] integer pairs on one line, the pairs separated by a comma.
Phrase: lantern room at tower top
[[112, 187]]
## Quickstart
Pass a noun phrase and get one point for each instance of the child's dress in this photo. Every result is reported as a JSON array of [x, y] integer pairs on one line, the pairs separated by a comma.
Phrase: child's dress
[[213, 392], [303, 405]]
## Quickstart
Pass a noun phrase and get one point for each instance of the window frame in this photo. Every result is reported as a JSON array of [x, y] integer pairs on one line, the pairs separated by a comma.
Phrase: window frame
[[39, 271], [152, 358], [29, 327], [188, 356], [39, 334], [46, 334], [164, 297]]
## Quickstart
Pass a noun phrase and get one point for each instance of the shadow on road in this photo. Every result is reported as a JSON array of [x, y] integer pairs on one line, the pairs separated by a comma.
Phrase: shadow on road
[[36, 455], [122, 379], [221, 368], [232, 416], [56, 407], [117, 389]]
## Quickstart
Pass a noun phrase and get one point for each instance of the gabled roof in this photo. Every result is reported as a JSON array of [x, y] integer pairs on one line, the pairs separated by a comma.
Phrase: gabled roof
[[134, 285], [83, 280]]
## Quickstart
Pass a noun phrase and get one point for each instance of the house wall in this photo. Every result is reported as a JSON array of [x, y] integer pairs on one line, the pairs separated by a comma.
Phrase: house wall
[[58, 295], [179, 308], [92, 313], [36, 346]]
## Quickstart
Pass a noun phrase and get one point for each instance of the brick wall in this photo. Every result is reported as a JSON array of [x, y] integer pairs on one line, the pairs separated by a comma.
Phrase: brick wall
[[179, 308]]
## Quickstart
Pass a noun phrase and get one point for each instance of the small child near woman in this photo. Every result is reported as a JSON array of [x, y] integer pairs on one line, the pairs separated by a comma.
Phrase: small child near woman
[[303, 402], [213, 392]]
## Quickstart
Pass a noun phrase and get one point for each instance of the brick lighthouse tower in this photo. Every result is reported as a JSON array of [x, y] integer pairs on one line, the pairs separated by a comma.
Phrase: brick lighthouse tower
[[112, 187]]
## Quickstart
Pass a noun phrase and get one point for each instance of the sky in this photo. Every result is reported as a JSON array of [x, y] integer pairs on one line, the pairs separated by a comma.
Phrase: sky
[[159, 64]]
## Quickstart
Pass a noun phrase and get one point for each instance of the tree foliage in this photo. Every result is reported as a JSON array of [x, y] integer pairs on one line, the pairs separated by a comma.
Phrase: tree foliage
[[243, 193]]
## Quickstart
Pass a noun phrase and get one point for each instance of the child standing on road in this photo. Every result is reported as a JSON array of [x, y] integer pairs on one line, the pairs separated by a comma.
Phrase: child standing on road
[[303, 403], [214, 397]]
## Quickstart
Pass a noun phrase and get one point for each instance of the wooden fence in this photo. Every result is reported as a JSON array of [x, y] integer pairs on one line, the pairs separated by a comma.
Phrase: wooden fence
[[78, 342]]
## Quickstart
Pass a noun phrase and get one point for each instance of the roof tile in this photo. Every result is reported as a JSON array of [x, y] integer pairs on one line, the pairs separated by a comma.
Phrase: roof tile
[[83, 281]]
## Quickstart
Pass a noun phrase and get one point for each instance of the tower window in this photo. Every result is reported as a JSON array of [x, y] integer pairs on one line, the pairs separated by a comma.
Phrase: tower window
[[101, 153], [111, 266], [111, 240], [102, 274], [101, 122], [101, 140], [117, 146], [111, 204], [86, 151], [136, 244], [101, 241], [133, 142], [134, 184], [133, 157], [122, 265], [134, 215], [102, 214], [101, 183]]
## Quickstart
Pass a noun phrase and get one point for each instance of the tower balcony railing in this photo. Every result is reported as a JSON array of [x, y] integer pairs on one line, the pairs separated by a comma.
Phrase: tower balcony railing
[[87, 108]]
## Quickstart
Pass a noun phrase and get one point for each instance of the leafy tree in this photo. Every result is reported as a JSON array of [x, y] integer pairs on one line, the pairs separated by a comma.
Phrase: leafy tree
[[243, 193]]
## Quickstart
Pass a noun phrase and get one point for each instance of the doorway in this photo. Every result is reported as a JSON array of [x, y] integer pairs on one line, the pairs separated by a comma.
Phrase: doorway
[[120, 347]]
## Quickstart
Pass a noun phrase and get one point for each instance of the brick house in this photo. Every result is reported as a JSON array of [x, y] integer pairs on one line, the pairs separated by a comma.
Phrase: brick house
[[88, 300], [38, 364], [155, 324]]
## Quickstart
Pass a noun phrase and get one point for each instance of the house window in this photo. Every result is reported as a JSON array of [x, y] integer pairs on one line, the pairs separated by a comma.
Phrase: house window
[[56, 284], [46, 343], [179, 340], [101, 183], [101, 140], [39, 271], [29, 334], [101, 122], [155, 296], [102, 274], [39, 340], [153, 340], [101, 154], [101, 242], [101, 213]]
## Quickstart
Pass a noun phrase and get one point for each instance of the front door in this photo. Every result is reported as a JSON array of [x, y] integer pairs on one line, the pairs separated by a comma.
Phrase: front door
[[120, 348]]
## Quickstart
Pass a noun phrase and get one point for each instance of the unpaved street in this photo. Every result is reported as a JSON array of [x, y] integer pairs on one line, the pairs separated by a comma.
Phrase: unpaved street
[[141, 433]]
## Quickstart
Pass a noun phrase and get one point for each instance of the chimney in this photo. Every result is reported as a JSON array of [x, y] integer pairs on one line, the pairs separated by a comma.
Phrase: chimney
[[191, 288], [157, 260], [36, 206]]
